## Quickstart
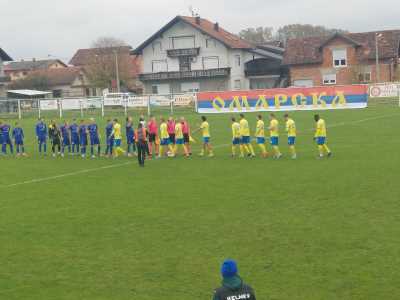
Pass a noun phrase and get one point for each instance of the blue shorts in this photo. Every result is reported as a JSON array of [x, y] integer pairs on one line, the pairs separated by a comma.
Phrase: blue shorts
[[130, 139], [165, 142], [94, 140], [179, 141], [117, 142], [83, 142], [274, 140], [236, 141], [19, 142], [66, 141], [321, 140], [7, 140], [42, 139], [261, 140], [206, 140], [75, 141], [245, 140], [291, 140]]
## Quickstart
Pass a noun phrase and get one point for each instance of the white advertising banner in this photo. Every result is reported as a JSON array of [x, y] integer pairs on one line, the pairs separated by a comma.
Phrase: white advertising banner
[[384, 90], [71, 104], [137, 101], [48, 104], [184, 100], [157, 100]]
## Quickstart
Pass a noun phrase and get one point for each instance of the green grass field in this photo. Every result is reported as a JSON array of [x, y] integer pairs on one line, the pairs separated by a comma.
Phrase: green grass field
[[305, 229]]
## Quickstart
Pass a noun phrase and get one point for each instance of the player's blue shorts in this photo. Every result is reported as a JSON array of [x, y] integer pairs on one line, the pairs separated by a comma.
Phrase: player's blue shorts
[[83, 141], [7, 140], [130, 139], [94, 140], [245, 140], [321, 140], [117, 142], [291, 140], [260, 140], [75, 140], [206, 140], [179, 141], [42, 139], [236, 141], [19, 142], [274, 140], [66, 141], [165, 142]]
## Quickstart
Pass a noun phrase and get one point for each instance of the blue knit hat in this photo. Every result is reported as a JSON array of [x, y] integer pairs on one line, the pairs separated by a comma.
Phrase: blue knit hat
[[229, 268]]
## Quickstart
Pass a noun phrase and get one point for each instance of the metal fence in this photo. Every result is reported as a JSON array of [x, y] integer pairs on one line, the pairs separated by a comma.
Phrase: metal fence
[[109, 105]]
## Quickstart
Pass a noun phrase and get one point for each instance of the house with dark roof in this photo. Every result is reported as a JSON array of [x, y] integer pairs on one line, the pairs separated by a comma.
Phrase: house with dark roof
[[130, 66], [343, 58], [21, 69], [61, 82], [194, 54], [4, 57]]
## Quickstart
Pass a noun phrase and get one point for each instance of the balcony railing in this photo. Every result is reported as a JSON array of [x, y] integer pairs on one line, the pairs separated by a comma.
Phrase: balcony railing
[[272, 72], [210, 73], [183, 52]]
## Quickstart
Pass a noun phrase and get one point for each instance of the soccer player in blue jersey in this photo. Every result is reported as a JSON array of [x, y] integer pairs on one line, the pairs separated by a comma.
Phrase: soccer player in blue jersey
[[74, 130], [66, 140], [41, 135], [130, 137], [18, 136], [109, 138], [83, 138], [94, 137], [6, 140], [1, 135]]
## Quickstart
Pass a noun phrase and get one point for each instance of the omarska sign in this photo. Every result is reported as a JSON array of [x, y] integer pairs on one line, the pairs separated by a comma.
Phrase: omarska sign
[[335, 97]]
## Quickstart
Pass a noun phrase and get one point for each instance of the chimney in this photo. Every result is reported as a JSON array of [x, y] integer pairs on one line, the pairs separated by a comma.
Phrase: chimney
[[216, 26], [198, 20]]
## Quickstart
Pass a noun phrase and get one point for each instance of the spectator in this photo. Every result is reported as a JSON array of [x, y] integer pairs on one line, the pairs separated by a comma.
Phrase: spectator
[[233, 286]]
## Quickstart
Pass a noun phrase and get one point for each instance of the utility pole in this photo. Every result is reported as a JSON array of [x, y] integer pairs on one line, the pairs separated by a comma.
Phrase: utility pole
[[117, 71], [377, 70]]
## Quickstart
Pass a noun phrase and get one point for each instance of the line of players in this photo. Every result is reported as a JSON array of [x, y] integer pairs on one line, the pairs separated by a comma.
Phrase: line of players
[[164, 140]]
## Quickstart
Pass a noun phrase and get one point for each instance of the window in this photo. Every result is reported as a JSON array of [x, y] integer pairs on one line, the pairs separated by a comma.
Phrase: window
[[339, 57], [364, 77], [185, 63], [183, 42], [211, 62], [329, 79], [211, 43], [237, 84], [154, 89], [190, 87], [303, 83], [237, 60], [94, 92], [159, 66], [57, 93], [157, 47], [160, 89]]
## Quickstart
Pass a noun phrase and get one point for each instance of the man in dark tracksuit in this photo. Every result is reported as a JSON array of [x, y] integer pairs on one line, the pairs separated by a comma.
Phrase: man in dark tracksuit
[[55, 138], [233, 287], [141, 143]]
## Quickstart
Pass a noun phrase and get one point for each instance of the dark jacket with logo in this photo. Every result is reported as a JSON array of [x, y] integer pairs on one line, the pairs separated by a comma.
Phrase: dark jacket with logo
[[234, 289]]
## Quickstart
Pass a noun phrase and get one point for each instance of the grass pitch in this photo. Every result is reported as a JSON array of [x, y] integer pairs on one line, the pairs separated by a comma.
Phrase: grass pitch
[[304, 229]]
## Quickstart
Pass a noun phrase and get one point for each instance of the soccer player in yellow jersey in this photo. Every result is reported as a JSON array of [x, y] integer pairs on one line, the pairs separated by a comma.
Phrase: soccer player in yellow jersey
[[245, 143], [205, 132], [235, 136], [320, 137], [116, 133], [274, 136], [179, 139], [260, 136], [291, 132], [165, 140]]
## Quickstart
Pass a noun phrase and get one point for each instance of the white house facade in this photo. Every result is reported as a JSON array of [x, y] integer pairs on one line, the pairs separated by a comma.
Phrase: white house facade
[[192, 54]]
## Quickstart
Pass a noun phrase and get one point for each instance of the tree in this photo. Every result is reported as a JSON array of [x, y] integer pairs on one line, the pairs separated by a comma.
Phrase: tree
[[292, 31], [257, 35], [33, 81], [101, 69]]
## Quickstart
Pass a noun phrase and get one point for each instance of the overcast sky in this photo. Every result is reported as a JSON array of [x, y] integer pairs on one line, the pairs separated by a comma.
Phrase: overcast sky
[[57, 28]]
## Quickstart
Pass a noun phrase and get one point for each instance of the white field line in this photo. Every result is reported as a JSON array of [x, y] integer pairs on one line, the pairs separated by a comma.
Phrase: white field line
[[38, 180]]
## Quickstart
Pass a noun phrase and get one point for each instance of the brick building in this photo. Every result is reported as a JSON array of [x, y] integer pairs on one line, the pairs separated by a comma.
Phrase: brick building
[[343, 58]]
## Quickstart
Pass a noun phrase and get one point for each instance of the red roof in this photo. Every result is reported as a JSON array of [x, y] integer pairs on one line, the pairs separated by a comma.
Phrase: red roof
[[308, 50], [59, 76], [205, 26]]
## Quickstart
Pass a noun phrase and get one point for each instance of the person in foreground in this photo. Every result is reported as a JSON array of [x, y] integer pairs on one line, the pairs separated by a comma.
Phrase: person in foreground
[[320, 137], [141, 140], [233, 287]]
